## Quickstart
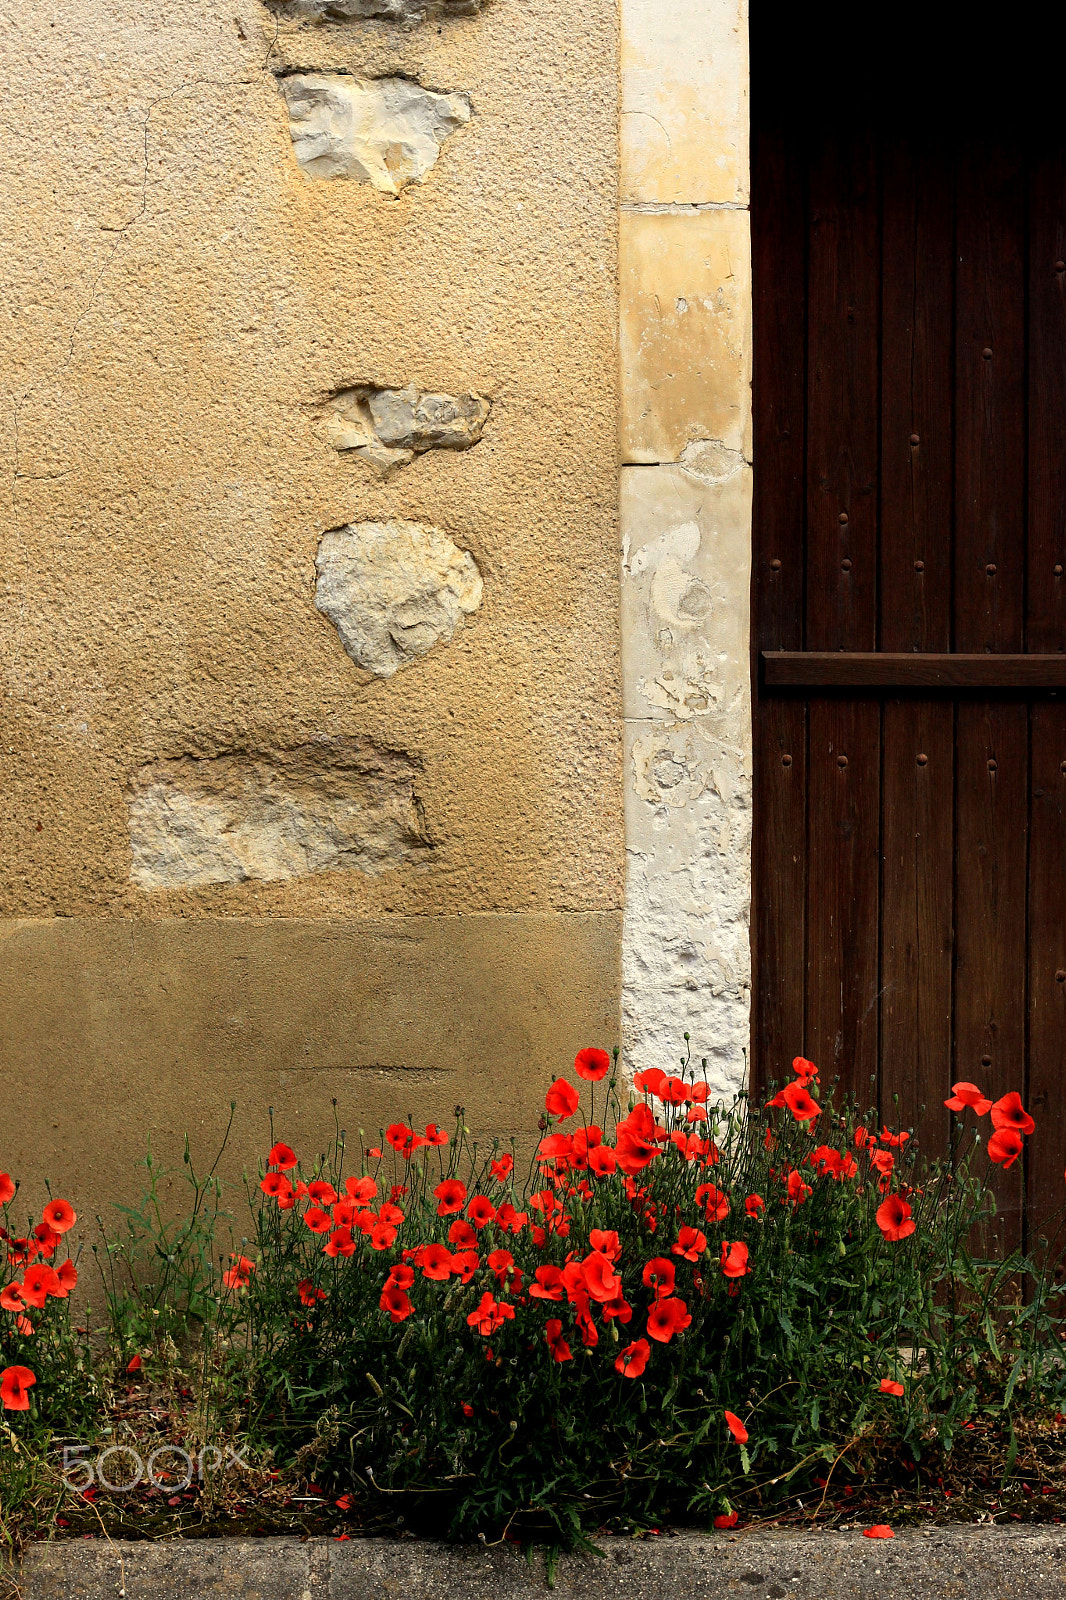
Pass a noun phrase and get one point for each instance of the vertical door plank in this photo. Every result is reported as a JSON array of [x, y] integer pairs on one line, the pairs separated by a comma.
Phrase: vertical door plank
[[916, 917], [842, 395], [1046, 619], [990, 461], [1046, 631], [917, 389], [1047, 969], [779, 395], [917, 456], [992, 754], [842, 895], [842, 510], [992, 761]]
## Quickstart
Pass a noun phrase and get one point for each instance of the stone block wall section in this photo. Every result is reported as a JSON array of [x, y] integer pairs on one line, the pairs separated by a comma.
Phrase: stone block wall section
[[685, 335], [310, 731]]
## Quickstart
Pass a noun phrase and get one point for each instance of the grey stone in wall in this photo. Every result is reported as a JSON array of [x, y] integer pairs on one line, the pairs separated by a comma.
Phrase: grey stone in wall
[[335, 804], [387, 428], [384, 131], [393, 590], [405, 11]]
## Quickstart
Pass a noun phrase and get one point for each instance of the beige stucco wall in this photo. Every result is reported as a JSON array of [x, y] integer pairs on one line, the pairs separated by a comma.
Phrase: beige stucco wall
[[180, 298], [685, 320]]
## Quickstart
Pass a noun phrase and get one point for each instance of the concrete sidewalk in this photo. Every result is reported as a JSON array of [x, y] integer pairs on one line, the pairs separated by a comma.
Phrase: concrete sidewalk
[[968, 1563]]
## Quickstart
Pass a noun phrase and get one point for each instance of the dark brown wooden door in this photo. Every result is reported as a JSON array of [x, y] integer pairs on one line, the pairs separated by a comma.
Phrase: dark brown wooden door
[[909, 254]]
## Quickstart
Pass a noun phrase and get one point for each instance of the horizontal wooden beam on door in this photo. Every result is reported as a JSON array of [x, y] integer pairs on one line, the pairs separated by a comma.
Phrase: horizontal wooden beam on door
[[885, 669]]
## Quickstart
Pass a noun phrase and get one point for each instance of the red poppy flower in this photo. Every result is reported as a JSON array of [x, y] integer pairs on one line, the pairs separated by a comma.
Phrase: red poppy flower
[[636, 1140], [435, 1135], [481, 1211], [691, 1243], [805, 1070], [502, 1169], [659, 1275], [394, 1300], [1005, 1146], [436, 1263], [754, 1204], [277, 1186], [968, 1095], [239, 1276], [402, 1275], [631, 1361], [283, 1156], [727, 1520], [467, 1409], [880, 1530], [38, 1282], [798, 1100], [465, 1263], [602, 1161], [797, 1189], [361, 1190], [650, 1082], [46, 1239], [666, 1318], [734, 1259], [601, 1280], [341, 1243], [606, 1241], [547, 1284], [450, 1196], [309, 1294], [317, 1220], [553, 1333], [500, 1263], [714, 1202], [894, 1139], [864, 1139], [562, 1099], [592, 1065], [509, 1219], [736, 1427], [619, 1307], [20, 1251], [700, 1093], [322, 1193], [893, 1217], [61, 1216], [11, 1298], [673, 1091], [133, 1364], [1006, 1113], [490, 1315], [68, 1279], [14, 1386], [696, 1114], [390, 1214], [890, 1386], [882, 1161], [462, 1234], [7, 1188]]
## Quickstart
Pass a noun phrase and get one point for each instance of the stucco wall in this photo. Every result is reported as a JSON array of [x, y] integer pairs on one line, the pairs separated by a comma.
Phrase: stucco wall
[[204, 795]]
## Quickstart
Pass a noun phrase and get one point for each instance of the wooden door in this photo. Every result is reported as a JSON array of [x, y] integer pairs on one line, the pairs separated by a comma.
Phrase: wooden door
[[909, 258]]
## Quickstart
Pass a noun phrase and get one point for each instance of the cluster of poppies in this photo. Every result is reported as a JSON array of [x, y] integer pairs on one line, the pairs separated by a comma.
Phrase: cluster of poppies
[[39, 1282], [1010, 1120]]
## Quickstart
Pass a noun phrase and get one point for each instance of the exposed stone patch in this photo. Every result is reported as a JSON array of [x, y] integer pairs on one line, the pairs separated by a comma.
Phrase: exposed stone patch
[[384, 131], [710, 460], [387, 428], [393, 590], [403, 11], [336, 804]]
